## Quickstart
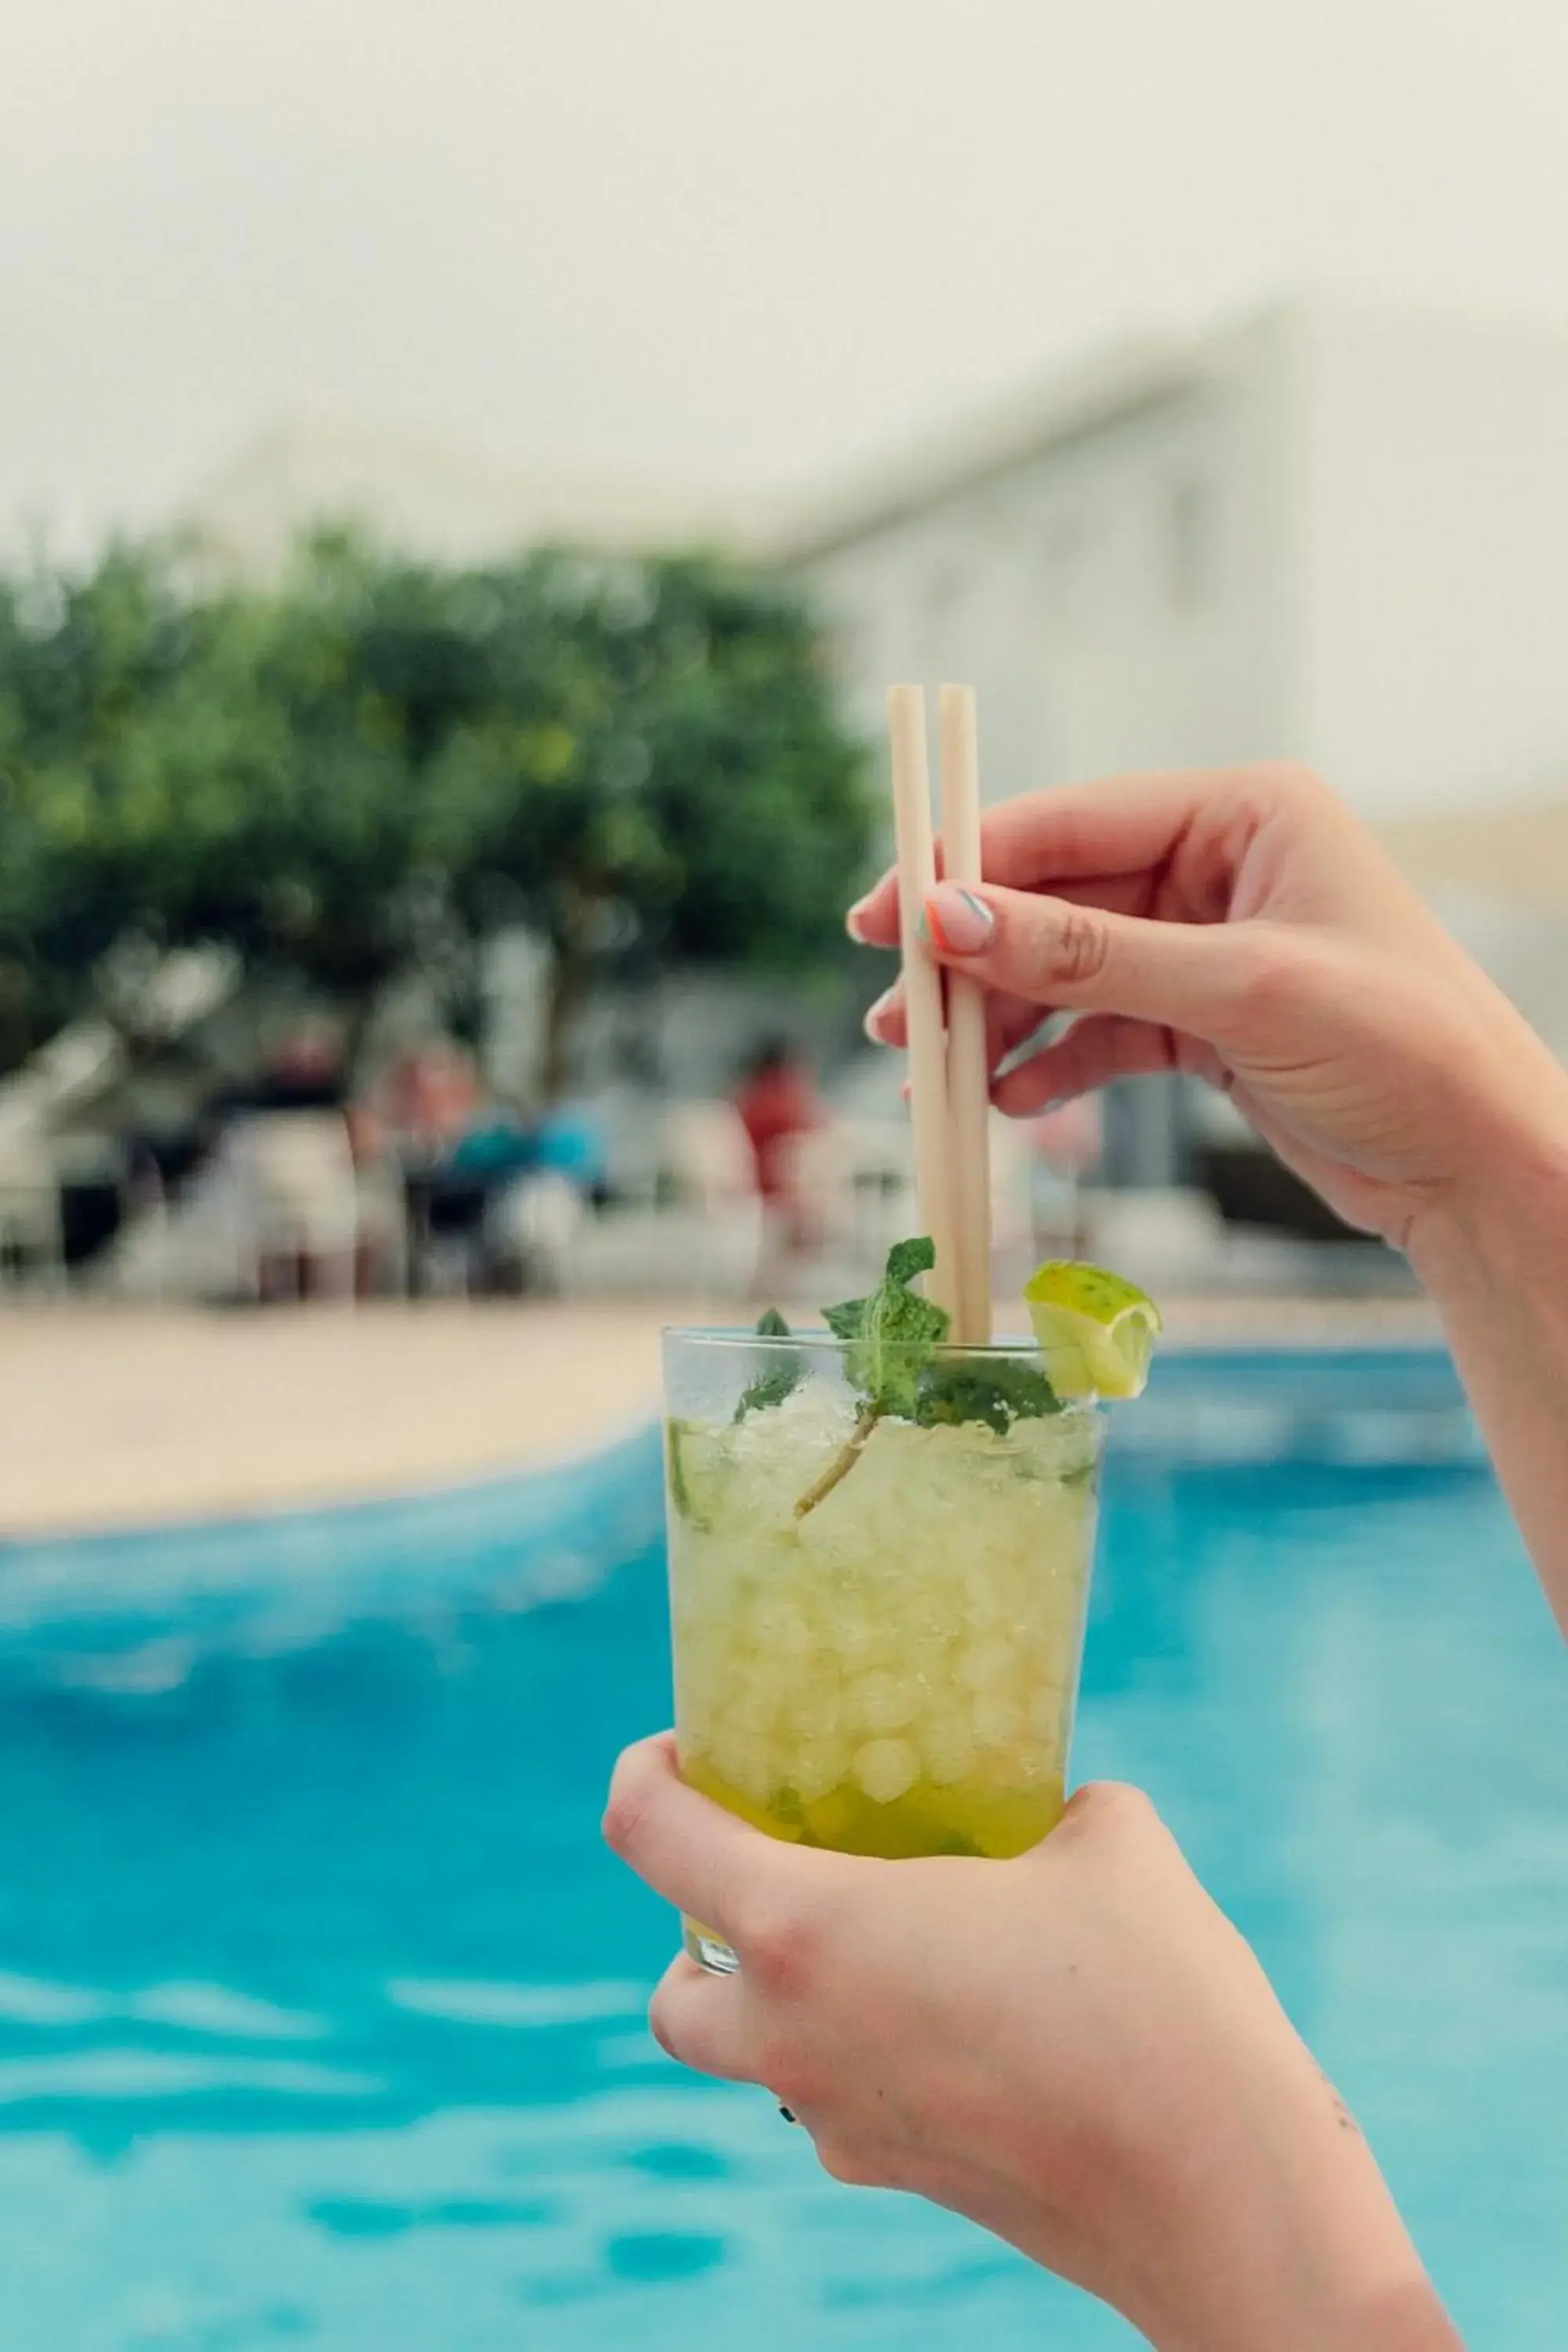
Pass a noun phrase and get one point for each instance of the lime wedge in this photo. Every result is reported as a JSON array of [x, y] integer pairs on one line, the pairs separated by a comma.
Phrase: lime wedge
[[1096, 1330], [696, 1465]]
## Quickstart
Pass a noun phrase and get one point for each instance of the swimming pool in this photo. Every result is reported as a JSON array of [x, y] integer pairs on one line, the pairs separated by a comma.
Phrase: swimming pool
[[320, 2008]]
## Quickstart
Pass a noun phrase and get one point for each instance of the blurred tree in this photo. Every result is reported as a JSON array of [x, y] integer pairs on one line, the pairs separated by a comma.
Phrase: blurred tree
[[380, 761]]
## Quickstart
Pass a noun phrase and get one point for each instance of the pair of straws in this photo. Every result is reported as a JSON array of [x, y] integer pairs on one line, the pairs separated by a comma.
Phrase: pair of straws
[[950, 1079]]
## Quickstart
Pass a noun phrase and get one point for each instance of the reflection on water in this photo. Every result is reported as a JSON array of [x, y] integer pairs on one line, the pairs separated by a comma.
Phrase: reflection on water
[[320, 2010]]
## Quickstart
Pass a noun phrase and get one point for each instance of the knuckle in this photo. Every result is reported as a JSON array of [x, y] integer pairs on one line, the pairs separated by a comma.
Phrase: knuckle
[[1267, 974], [663, 2024], [1119, 1801], [1081, 944], [1108, 1809], [851, 2161], [1295, 784], [1286, 975], [785, 2064], [782, 1943], [626, 1809]]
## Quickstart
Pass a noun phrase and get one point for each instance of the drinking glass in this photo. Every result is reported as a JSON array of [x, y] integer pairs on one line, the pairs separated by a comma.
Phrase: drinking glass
[[877, 1621]]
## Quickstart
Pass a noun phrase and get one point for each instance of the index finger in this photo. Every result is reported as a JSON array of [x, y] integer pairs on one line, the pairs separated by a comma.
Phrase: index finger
[[1104, 833], [708, 1862]]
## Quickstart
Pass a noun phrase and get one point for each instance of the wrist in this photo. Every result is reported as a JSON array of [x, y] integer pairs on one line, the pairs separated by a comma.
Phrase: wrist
[[1492, 1260], [1509, 1204], [1299, 2246]]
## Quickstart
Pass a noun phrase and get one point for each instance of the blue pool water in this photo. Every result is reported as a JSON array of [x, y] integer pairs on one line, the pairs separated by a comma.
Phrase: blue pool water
[[321, 2007]]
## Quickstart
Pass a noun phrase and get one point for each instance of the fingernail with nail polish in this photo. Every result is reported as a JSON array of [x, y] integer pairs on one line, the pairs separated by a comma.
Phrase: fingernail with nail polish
[[957, 921], [855, 920], [876, 1018]]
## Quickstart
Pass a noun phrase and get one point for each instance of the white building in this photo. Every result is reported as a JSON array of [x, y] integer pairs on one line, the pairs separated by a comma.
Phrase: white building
[[1336, 535]]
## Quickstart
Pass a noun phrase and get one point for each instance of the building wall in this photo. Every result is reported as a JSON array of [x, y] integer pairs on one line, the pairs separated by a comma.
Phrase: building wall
[[1117, 599], [1433, 494]]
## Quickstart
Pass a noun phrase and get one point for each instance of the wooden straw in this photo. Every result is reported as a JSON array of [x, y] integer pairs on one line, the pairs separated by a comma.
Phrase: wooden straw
[[968, 1071], [922, 982]]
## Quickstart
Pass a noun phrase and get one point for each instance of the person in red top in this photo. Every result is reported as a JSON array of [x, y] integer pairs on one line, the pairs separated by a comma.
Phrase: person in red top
[[776, 1102]]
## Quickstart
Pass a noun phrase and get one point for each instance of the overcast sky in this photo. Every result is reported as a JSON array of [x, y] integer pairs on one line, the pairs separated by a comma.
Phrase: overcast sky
[[725, 241]]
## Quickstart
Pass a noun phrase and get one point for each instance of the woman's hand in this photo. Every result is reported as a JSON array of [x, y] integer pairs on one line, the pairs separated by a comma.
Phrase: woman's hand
[[1075, 2049], [1243, 926]]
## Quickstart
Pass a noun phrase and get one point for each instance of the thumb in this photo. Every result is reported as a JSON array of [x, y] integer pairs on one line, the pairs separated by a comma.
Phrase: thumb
[[1056, 953]]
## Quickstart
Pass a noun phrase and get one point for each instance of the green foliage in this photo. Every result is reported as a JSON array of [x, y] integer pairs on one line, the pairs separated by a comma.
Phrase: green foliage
[[627, 756]]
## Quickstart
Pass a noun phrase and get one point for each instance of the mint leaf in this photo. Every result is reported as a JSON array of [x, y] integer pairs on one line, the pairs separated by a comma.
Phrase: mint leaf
[[997, 1393], [769, 1388], [781, 1378], [891, 1334], [908, 1259], [889, 1341]]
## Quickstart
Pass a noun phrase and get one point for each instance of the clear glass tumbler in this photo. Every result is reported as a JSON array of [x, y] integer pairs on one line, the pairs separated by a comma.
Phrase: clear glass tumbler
[[878, 1621]]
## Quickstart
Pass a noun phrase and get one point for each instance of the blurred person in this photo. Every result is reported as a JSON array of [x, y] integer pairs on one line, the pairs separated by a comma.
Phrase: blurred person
[[542, 1174], [1076, 2048], [777, 1103], [282, 1150], [535, 1217], [307, 1071], [495, 1143], [425, 1101], [430, 1095], [303, 1070], [472, 1146], [510, 1195], [570, 1142], [382, 1246]]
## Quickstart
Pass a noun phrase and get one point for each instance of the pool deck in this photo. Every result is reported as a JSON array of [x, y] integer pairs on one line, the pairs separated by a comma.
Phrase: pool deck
[[132, 1417]]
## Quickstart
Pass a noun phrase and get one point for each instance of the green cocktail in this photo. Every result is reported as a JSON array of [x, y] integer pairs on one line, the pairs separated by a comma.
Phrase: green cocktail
[[878, 1614]]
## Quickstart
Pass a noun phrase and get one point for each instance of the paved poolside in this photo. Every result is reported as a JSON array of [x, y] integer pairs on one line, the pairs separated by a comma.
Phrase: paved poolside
[[129, 1417]]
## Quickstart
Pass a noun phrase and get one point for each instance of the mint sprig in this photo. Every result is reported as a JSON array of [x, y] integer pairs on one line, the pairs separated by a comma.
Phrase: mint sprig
[[891, 1338]]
